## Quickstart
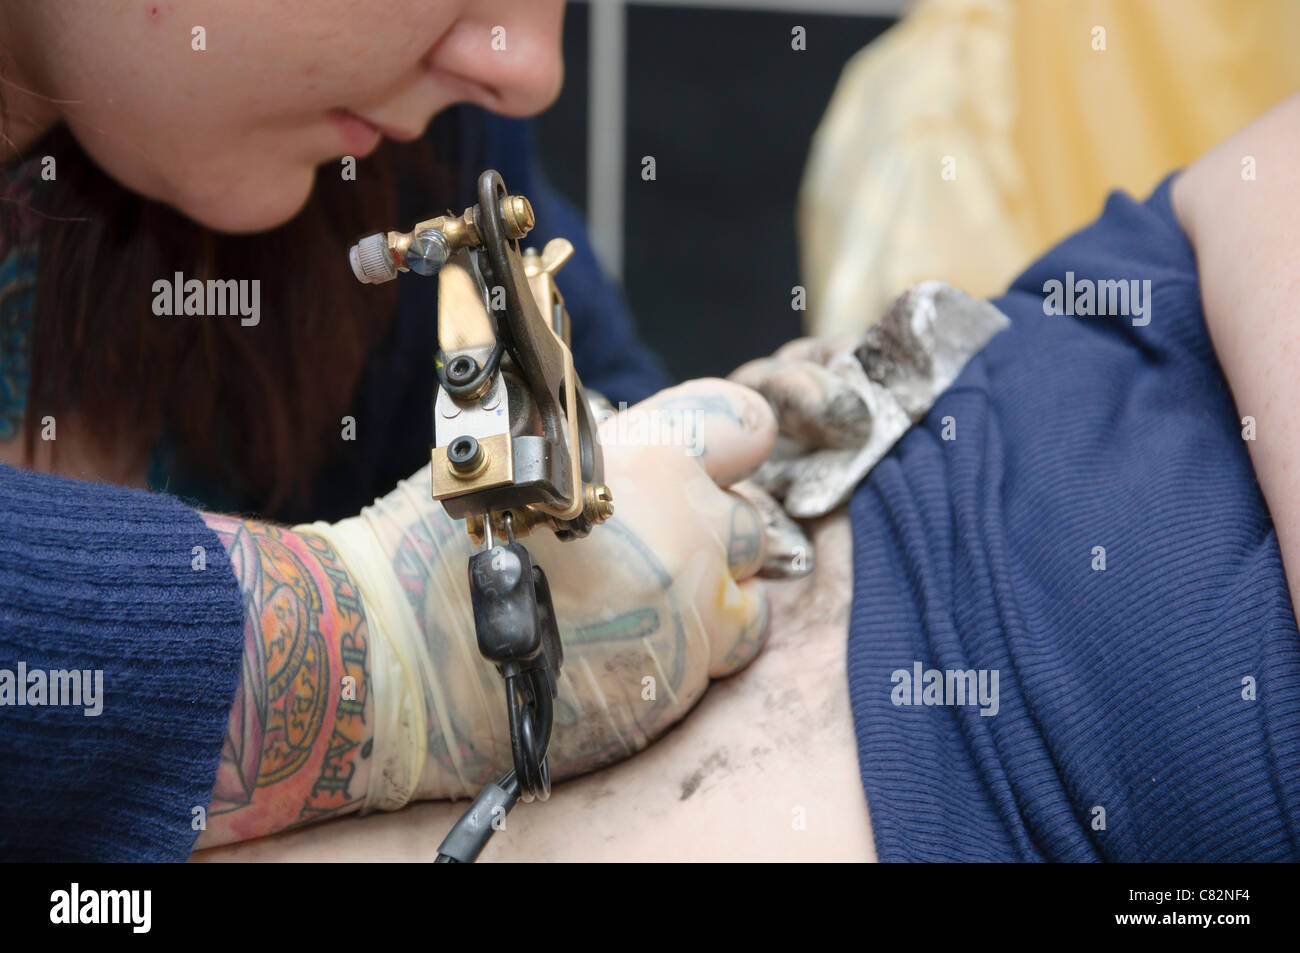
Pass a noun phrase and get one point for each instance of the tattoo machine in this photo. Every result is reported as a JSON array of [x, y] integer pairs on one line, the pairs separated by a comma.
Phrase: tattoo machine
[[515, 448]]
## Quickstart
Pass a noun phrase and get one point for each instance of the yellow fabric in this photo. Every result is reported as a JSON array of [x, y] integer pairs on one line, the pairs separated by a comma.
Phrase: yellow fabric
[[976, 133]]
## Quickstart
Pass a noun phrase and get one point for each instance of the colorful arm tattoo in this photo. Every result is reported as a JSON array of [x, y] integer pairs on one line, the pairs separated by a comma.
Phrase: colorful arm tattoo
[[298, 744]]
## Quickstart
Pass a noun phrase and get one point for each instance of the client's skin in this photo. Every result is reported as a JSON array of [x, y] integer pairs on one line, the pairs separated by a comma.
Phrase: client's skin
[[765, 767], [726, 783]]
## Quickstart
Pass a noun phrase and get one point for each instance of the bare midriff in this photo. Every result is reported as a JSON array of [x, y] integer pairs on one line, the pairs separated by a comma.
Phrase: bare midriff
[[764, 768]]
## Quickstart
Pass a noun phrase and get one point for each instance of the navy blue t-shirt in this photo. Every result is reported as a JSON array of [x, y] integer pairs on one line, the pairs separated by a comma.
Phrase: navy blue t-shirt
[[1094, 534]]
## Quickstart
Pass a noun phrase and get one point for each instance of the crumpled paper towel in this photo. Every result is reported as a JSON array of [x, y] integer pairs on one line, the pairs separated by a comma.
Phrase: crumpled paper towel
[[841, 406]]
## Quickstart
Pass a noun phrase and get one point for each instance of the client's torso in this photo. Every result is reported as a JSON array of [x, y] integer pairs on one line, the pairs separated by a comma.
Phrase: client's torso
[[764, 768]]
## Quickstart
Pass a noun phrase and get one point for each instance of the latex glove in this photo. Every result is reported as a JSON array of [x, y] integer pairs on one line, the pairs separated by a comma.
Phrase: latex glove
[[842, 404], [651, 605]]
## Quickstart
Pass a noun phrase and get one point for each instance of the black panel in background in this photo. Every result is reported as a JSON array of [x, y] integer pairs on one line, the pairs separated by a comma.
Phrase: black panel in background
[[562, 129], [728, 110]]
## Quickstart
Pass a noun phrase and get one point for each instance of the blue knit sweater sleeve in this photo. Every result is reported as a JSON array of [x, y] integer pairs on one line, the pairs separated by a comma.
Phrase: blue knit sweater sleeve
[[121, 614], [1078, 518]]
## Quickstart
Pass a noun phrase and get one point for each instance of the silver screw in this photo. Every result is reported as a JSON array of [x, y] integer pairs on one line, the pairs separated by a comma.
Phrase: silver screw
[[428, 252]]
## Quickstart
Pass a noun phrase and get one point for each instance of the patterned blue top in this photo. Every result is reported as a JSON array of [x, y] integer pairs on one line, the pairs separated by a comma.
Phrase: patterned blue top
[[17, 280]]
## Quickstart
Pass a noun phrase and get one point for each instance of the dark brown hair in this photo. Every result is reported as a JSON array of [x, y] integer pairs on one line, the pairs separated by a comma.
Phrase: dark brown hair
[[257, 406]]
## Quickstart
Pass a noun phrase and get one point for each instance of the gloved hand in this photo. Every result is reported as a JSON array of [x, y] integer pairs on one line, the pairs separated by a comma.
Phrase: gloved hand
[[842, 404], [650, 606]]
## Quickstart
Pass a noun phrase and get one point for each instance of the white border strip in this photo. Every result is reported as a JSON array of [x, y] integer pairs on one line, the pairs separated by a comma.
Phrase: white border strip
[[606, 132]]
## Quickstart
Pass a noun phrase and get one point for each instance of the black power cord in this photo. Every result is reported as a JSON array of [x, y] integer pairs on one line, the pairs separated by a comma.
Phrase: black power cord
[[530, 733], [469, 835]]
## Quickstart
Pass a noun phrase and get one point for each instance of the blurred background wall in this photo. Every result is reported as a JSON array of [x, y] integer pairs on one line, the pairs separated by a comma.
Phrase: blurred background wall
[[960, 145], [707, 251]]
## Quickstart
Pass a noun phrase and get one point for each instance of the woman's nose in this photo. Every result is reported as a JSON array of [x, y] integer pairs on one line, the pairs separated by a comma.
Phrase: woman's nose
[[505, 54]]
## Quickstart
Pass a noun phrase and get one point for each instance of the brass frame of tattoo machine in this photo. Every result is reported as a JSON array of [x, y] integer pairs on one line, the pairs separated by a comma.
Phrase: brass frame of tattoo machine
[[514, 435], [515, 447]]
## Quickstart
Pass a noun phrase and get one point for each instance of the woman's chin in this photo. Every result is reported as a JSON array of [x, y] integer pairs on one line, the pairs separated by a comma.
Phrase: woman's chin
[[246, 206]]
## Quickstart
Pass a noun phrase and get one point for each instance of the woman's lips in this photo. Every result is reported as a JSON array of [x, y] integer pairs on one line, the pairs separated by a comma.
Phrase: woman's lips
[[361, 136]]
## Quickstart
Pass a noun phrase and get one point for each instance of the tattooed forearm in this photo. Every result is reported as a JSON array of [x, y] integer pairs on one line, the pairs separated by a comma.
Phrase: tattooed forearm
[[299, 738]]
